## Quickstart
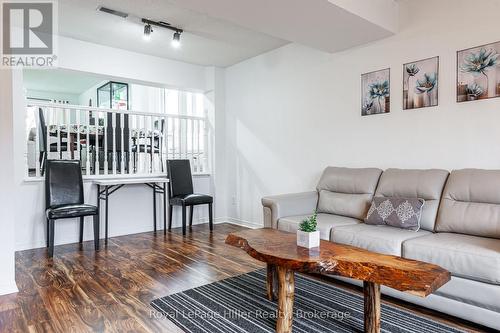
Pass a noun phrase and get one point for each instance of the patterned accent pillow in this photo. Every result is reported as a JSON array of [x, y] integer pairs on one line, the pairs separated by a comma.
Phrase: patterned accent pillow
[[402, 213]]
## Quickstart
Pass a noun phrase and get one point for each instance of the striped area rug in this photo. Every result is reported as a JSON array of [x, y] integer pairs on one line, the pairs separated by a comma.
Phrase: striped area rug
[[239, 304]]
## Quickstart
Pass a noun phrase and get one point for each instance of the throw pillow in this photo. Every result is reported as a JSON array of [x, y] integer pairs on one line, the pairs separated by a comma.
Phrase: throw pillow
[[402, 213]]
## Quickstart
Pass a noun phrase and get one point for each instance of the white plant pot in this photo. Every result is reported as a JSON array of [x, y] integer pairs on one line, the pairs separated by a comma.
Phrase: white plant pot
[[308, 239]]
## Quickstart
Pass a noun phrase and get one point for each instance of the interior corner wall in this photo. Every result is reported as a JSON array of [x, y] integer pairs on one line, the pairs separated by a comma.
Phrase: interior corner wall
[[7, 187], [215, 103], [293, 111]]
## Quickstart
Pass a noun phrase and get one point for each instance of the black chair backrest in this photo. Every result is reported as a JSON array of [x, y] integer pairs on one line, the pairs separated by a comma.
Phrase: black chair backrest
[[120, 146], [162, 129], [63, 183], [179, 175], [43, 131]]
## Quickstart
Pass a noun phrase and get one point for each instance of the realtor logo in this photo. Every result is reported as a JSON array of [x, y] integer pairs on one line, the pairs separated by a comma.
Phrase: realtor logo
[[28, 33]]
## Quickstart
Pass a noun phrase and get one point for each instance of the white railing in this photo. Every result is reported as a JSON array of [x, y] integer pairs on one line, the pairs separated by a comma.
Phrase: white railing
[[113, 143]]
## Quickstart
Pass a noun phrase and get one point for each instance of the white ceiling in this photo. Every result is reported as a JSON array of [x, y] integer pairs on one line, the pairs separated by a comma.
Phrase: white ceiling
[[328, 25], [61, 81], [225, 32], [206, 40]]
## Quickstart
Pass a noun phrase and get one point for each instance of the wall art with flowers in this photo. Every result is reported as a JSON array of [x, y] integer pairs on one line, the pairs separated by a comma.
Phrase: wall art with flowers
[[375, 92], [420, 83], [478, 73]]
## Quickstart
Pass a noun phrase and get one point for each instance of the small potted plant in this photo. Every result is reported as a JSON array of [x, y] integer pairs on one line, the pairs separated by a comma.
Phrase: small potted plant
[[307, 235]]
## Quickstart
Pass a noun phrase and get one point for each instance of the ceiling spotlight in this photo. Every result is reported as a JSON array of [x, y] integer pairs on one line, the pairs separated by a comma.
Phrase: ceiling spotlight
[[176, 41], [147, 32]]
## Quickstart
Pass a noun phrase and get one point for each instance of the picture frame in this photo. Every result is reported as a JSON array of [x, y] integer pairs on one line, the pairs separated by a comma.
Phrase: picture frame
[[421, 83], [478, 73], [376, 92]]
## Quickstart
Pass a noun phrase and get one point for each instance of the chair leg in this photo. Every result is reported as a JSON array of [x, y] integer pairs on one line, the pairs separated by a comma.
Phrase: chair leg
[[42, 164], [48, 232], [81, 229], [154, 207], [210, 217], [170, 213], [191, 216], [134, 164], [183, 220], [164, 208], [51, 238], [96, 232]]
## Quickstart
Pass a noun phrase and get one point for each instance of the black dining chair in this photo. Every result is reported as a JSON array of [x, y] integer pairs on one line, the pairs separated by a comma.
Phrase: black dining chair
[[64, 198], [46, 147], [151, 146], [181, 193]]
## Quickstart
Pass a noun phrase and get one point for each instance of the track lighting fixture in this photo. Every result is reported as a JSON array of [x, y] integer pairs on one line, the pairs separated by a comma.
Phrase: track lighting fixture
[[148, 25], [176, 41], [147, 31]]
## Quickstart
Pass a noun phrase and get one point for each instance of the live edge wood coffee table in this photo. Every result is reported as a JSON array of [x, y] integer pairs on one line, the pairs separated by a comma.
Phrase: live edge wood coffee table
[[282, 255]]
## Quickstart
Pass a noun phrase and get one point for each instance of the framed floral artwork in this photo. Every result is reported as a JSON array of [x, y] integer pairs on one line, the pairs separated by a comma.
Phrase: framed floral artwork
[[375, 92], [478, 73], [420, 83]]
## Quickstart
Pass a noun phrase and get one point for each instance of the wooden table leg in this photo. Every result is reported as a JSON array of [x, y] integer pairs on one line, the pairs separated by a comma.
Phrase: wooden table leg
[[286, 292], [271, 269], [372, 307]]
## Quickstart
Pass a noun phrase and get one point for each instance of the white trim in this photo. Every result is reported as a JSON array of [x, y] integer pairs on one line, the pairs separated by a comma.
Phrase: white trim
[[230, 220], [121, 231], [8, 289], [235, 221]]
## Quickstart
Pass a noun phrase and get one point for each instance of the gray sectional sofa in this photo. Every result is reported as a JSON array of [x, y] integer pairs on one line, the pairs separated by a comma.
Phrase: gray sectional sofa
[[459, 228]]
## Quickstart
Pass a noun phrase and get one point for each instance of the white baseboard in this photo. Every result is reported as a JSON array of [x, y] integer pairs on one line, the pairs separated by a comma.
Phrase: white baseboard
[[130, 230], [6, 289], [239, 222]]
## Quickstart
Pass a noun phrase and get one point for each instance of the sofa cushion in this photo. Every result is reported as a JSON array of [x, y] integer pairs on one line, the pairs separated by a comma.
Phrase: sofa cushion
[[484, 295], [471, 203], [465, 256], [376, 238], [347, 191], [401, 213], [423, 184], [325, 223]]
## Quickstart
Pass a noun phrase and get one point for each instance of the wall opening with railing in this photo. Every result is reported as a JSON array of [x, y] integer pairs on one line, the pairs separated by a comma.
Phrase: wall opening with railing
[[116, 143]]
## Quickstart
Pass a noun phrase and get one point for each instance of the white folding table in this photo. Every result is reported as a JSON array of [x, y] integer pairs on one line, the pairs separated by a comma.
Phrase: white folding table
[[106, 187]]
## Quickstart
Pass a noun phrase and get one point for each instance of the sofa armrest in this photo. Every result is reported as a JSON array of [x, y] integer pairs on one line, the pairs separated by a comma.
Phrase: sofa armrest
[[278, 206]]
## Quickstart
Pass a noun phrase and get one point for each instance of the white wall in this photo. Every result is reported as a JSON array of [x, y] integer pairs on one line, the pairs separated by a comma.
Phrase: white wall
[[90, 95], [118, 63], [293, 111], [131, 207], [7, 188]]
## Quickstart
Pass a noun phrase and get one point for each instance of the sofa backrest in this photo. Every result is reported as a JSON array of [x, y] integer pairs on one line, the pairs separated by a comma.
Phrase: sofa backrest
[[471, 203], [423, 184], [347, 191]]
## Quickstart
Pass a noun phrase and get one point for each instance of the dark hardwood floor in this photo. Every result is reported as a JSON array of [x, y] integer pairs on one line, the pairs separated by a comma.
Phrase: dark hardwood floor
[[80, 290]]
